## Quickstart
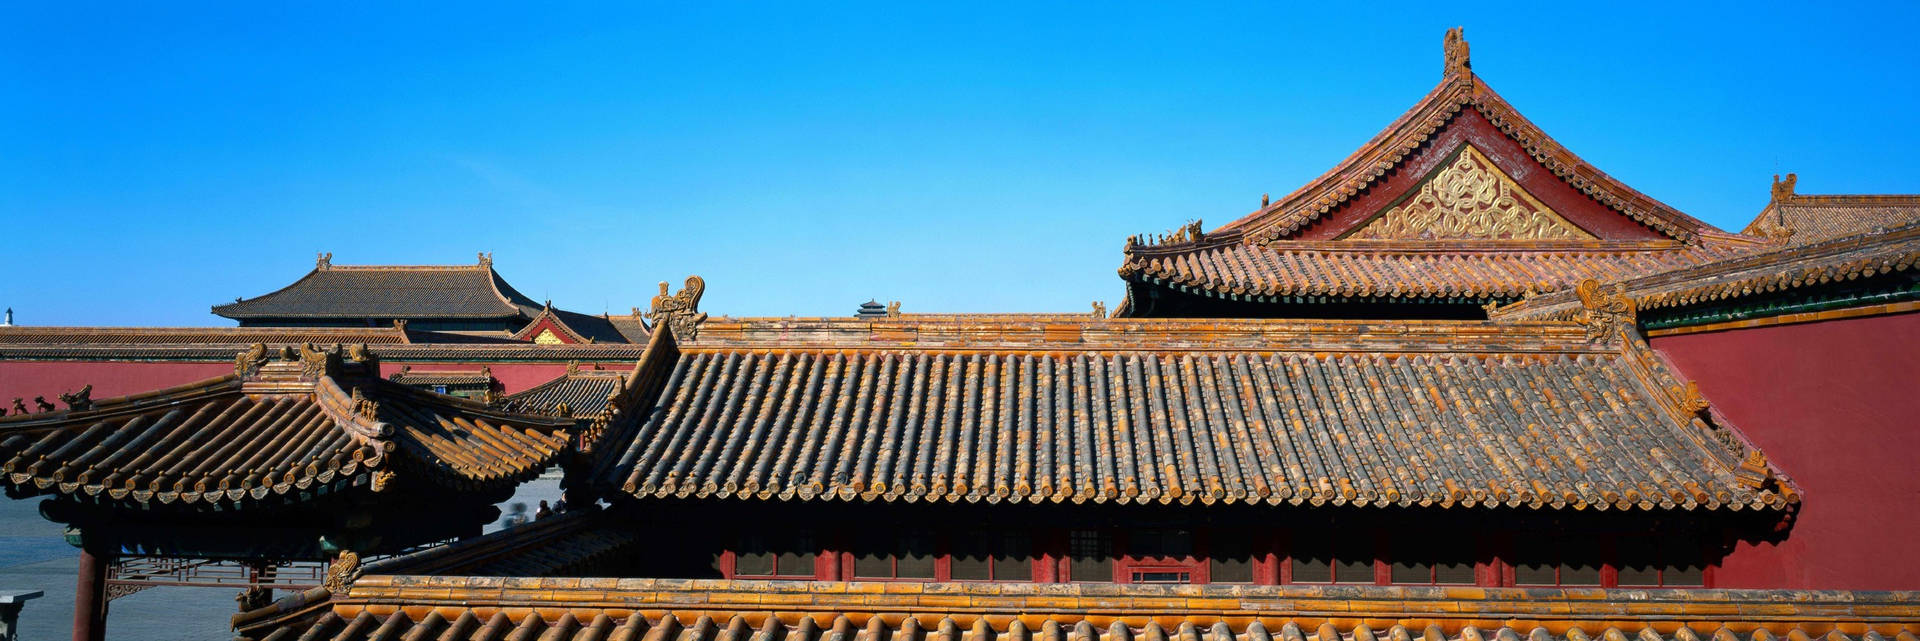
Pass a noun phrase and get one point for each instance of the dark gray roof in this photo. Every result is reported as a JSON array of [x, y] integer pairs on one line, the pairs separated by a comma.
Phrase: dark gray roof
[[396, 291]]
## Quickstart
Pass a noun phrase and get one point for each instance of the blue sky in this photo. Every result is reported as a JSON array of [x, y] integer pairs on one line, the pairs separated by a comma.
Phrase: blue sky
[[156, 160]]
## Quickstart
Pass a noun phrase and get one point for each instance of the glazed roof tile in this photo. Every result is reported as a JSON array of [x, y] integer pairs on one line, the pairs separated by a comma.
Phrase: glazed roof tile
[[1786, 268], [584, 392], [1435, 413], [407, 376], [388, 607], [279, 429], [1398, 270], [482, 352], [1811, 219], [390, 291]]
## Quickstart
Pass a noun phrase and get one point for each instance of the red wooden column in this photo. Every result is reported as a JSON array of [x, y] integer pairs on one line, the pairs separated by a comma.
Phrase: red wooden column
[[90, 599]]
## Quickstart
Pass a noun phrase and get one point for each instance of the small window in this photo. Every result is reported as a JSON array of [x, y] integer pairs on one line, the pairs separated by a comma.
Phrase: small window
[[775, 555], [1423, 562], [1091, 552], [1161, 544], [1319, 560], [907, 555], [1556, 561], [1161, 576], [984, 556], [1230, 557], [1645, 561]]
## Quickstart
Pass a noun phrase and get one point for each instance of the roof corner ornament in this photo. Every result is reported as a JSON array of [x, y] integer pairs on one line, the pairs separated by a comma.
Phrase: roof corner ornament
[[342, 572], [1265, 199], [316, 362], [79, 400], [382, 479], [486, 259], [367, 408], [1689, 397], [1609, 313], [323, 261], [1455, 45], [1753, 471], [1099, 310], [893, 309], [247, 363], [680, 311], [1783, 189]]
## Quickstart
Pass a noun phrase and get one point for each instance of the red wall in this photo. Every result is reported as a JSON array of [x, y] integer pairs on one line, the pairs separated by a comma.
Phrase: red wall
[[27, 379], [1835, 405]]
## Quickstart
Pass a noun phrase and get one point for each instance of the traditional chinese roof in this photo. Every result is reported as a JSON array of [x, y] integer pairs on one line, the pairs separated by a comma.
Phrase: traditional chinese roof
[[1834, 263], [25, 335], [408, 376], [1460, 198], [441, 352], [558, 326], [1144, 411], [490, 608], [584, 392], [390, 291], [1801, 219], [281, 428]]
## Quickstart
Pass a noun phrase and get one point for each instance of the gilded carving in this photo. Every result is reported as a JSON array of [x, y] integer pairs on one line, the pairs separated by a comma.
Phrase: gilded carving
[[1470, 198], [342, 571], [680, 311], [547, 337], [1609, 313]]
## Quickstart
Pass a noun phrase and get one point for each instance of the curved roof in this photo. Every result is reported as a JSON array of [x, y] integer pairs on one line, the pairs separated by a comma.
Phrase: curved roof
[[281, 428], [1133, 411], [1321, 240], [390, 291]]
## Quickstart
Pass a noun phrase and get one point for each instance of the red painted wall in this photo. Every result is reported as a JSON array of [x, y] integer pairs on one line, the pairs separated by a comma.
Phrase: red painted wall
[[1836, 405], [27, 379]]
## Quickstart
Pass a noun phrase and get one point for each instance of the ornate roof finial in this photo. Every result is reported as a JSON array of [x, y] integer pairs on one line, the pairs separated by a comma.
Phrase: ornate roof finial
[[1456, 49], [1783, 189], [893, 309], [324, 261], [1264, 199], [1099, 310], [680, 311], [486, 259], [1609, 312]]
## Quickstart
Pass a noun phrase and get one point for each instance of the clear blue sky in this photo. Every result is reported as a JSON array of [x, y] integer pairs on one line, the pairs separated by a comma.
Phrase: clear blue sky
[[156, 160]]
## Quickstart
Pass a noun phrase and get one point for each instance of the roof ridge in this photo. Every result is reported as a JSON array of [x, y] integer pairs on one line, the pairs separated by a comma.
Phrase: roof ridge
[[1416, 127]]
